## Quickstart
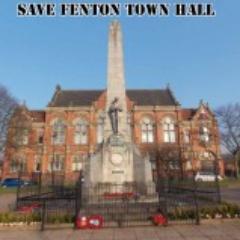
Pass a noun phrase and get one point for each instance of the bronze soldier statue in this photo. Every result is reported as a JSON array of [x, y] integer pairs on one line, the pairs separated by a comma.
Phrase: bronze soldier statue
[[113, 114]]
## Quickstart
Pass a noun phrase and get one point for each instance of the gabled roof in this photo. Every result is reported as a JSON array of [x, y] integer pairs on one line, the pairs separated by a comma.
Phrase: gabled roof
[[74, 98], [37, 115], [141, 97], [22, 112], [203, 112], [188, 113], [155, 97]]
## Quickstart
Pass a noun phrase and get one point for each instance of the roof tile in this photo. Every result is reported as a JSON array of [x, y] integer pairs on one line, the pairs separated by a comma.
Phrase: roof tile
[[66, 98]]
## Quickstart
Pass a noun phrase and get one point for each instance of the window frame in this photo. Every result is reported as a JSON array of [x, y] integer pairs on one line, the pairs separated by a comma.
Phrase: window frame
[[37, 162], [77, 162], [186, 136], [100, 130], [147, 130], [81, 132], [58, 132], [169, 130], [204, 134], [56, 158]]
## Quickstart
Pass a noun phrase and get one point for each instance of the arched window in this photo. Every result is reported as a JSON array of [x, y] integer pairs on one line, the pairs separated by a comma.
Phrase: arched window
[[204, 134], [186, 136], [37, 163], [58, 136], [21, 136], [147, 130], [78, 162], [56, 163], [18, 163], [81, 132], [25, 137], [100, 129], [40, 136], [13, 166], [169, 135], [23, 164]]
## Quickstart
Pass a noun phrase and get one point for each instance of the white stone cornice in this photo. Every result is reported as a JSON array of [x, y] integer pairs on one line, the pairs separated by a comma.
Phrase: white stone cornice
[[62, 109], [156, 108]]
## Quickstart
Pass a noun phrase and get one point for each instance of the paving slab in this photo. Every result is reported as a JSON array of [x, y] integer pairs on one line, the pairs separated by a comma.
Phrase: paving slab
[[166, 233], [124, 233], [212, 230], [81, 235], [146, 233]]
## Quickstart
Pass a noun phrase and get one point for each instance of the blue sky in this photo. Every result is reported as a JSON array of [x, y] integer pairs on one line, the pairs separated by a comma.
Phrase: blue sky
[[198, 57]]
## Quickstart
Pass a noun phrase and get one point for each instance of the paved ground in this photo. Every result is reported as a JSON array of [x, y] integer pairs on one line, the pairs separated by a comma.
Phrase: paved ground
[[214, 230], [231, 195]]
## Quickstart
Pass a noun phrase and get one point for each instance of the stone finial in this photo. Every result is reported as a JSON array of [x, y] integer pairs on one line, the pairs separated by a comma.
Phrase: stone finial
[[115, 23], [58, 88]]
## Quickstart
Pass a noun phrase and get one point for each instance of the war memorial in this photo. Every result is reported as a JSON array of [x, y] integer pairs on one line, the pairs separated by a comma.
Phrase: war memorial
[[124, 155]]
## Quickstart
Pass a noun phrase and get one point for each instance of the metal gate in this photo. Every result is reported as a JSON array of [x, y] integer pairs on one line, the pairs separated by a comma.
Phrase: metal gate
[[175, 197], [123, 207]]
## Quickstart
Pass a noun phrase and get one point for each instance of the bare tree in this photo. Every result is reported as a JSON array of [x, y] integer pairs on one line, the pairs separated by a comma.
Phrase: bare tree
[[168, 160], [7, 106], [18, 137], [229, 120]]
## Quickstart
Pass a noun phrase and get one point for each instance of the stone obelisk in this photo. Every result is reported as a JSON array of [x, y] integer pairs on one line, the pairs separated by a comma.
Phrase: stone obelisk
[[116, 81], [118, 160]]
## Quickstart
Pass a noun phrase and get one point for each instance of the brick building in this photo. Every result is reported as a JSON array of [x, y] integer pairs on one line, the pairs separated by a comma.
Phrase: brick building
[[72, 127], [63, 136]]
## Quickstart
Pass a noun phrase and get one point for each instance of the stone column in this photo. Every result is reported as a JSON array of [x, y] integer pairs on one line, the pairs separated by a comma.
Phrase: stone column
[[116, 80]]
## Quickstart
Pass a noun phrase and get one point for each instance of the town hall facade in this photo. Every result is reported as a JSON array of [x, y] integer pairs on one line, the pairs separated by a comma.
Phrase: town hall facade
[[76, 124]]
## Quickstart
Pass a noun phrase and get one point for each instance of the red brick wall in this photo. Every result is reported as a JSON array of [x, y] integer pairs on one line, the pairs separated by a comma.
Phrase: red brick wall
[[69, 149]]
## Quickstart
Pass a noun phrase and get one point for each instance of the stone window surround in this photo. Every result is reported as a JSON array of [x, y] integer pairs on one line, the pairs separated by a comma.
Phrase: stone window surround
[[204, 133], [147, 129], [78, 161], [56, 162], [17, 163], [169, 129], [81, 128], [58, 131], [100, 129]]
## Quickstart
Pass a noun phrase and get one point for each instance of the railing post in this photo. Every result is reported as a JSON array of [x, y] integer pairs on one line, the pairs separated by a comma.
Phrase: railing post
[[78, 197], [219, 200], [18, 189], [219, 192], [197, 215], [39, 182], [43, 217], [166, 191], [163, 198]]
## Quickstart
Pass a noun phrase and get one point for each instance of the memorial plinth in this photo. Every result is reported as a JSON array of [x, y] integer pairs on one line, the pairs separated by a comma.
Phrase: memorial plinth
[[117, 160]]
